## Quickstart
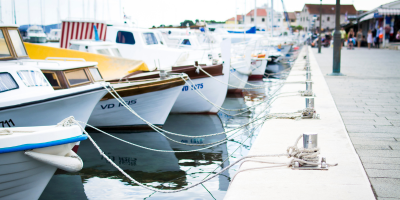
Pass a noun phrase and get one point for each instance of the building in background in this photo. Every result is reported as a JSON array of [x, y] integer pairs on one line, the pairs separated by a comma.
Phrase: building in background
[[239, 20], [309, 16]]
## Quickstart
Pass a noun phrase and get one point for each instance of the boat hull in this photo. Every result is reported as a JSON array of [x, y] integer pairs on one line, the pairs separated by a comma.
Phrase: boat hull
[[152, 106], [258, 67], [239, 80], [22, 177], [191, 102], [42, 112]]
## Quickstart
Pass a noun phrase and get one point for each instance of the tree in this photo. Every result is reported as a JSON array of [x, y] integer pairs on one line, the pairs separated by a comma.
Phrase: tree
[[299, 27], [184, 23]]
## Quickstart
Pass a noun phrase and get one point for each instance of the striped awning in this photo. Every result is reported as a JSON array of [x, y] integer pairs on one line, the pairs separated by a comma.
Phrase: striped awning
[[80, 30], [367, 17], [389, 11]]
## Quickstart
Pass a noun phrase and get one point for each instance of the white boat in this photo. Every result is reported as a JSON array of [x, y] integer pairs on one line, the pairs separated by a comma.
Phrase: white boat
[[98, 47], [29, 156], [35, 34], [25, 92], [258, 66], [213, 88], [145, 44], [152, 98], [54, 35]]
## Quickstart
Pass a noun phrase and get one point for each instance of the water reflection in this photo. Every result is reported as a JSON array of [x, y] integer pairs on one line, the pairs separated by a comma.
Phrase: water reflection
[[100, 180]]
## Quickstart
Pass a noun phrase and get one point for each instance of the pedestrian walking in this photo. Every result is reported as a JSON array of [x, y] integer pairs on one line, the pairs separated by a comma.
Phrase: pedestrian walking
[[359, 38], [369, 39], [342, 36], [387, 33], [351, 41]]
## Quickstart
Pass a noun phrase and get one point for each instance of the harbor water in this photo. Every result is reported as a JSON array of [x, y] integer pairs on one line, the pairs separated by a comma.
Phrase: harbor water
[[163, 170]]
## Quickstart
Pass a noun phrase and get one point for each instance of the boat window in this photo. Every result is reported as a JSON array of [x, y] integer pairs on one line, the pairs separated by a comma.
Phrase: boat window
[[74, 47], [17, 42], [186, 42], [7, 82], [124, 37], [76, 77], [35, 31], [32, 78], [95, 74], [160, 38], [104, 52], [52, 78], [4, 51], [116, 52], [150, 38]]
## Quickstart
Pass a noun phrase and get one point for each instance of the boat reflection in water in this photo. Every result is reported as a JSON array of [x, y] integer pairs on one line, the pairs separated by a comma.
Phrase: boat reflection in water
[[157, 169]]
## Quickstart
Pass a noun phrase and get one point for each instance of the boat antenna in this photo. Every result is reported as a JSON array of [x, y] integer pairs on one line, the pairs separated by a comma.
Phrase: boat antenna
[[96, 34]]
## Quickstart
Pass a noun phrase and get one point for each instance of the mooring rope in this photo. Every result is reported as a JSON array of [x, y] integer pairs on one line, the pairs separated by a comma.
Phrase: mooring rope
[[293, 152]]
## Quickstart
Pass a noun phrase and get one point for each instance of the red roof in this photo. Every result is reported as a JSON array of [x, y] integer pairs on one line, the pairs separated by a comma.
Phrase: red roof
[[331, 9], [292, 15], [239, 17], [260, 12]]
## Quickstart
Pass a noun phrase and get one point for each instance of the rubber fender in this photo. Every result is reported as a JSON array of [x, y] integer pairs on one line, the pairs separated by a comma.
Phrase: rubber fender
[[70, 162]]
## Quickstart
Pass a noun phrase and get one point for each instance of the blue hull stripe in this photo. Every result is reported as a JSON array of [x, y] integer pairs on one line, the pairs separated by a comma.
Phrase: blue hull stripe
[[42, 145]]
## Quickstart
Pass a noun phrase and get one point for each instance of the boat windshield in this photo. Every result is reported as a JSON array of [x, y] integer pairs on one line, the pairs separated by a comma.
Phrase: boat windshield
[[35, 31], [104, 52], [4, 51], [116, 52], [17, 42], [150, 38]]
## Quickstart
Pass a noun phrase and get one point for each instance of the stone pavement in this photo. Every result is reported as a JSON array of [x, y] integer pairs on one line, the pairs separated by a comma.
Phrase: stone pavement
[[368, 99]]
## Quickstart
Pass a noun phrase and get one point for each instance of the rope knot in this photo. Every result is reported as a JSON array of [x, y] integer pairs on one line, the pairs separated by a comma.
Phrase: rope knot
[[69, 121]]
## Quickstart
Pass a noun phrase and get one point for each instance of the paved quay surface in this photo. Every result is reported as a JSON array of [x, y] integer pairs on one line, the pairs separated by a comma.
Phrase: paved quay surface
[[348, 180], [368, 99]]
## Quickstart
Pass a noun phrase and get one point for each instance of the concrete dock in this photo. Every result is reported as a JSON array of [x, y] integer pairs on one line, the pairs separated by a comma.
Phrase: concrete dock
[[368, 99], [348, 180]]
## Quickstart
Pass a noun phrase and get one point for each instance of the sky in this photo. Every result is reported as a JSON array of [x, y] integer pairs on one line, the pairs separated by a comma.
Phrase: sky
[[146, 13]]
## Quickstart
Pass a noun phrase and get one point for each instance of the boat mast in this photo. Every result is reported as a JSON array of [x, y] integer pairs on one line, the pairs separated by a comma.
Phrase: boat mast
[[1, 14], [272, 18], [95, 5], [29, 14], [235, 13], [58, 13], [69, 9], [83, 9], [15, 15], [255, 13]]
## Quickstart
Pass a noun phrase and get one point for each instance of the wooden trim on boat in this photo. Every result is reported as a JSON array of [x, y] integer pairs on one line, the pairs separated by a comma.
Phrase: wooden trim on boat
[[190, 70], [146, 87]]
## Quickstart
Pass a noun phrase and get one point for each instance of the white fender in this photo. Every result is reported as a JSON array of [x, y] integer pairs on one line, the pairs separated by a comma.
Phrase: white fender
[[70, 162]]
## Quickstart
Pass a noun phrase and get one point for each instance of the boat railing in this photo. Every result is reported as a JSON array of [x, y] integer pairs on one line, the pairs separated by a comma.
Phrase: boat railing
[[33, 61], [65, 59]]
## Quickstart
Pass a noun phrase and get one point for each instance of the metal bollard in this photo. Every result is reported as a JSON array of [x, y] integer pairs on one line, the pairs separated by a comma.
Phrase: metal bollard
[[308, 76], [309, 86], [310, 103], [310, 140]]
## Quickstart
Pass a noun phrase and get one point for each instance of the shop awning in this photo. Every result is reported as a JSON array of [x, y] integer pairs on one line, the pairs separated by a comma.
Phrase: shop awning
[[388, 11], [367, 17]]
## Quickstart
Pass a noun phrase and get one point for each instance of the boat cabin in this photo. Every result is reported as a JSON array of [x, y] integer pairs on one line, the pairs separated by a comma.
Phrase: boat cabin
[[74, 73], [98, 47], [11, 45]]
